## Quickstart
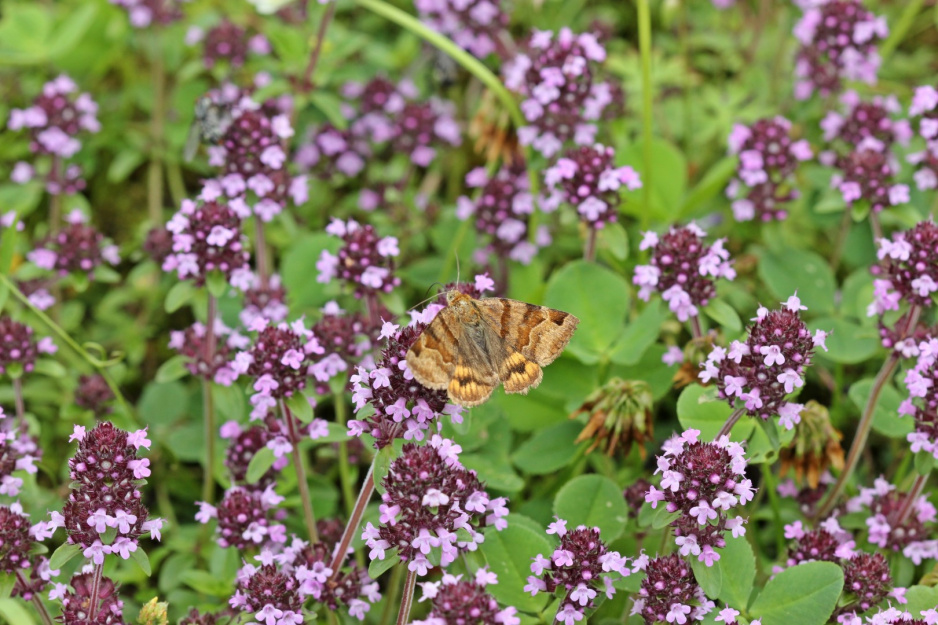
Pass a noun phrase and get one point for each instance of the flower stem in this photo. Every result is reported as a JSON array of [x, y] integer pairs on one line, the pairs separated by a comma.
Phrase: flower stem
[[263, 263], [695, 329], [208, 402], [863, 432], [730, 422], [155, 170], [55, 199], [308, 516], [768, 480], [18, 398], [94, 603], [407, 598], [345, 471], [99, 365], [589, 250], [317, 48], [644, 47], [900, 28], [394, 585], [36, 601], [842, 234], [909, 504], [354, 520]]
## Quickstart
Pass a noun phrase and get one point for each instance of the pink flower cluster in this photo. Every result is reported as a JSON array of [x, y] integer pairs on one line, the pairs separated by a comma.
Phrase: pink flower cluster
[[581, 567], [476, 25], [682, 269], [922, 403], [771, 363], [245, 518], [143, 13], [908, 269], [703, 482], [882, 504], [768, 158], [669, 592], [838, 42], [365, 261], [587, 178], [925, 107], [206, 237], [193, 343], [77, 248], [455, 600], [562, 98]]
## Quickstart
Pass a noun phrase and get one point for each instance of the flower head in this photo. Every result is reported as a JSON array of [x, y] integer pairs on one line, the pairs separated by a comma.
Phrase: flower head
[[206, 237], [669, 589]]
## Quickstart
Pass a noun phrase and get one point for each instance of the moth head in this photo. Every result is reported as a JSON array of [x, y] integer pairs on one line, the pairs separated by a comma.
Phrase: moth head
[[455, 298]]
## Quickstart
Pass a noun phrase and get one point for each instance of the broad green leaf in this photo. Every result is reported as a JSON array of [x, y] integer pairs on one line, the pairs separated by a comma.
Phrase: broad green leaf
[[698, 408], [924, 462], [330, 106], [530, 412], [549, 449], [599, 297], [920, 598], [710, 185], [260, 463], [639, 335], [724, 314], [509, 554], [710, 578], [886, 419], [593, 501], [7, 582], [377, 567], [790, 270], [762, 447], [8, 238], [143, 561], [660, 517], [805, 594], [178, 296], [14, 611], [230, 401], [49, 367], [299, 274], [207, 583], [382, 461], [63, 554], [70, 30], [162, 403], [299, 405], [614, 239], [172, 369], [739, 570], [665, 189], [337, 434], [217, 284], [847, 342]]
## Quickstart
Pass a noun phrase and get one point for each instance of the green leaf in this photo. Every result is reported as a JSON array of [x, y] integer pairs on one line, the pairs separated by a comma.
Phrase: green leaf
[[49, 367], [788, 270], [7, 582], [378, 567], [698, 408], [639, 335], [162, 403], [724, 314], [8, 237], [70, 31], [711, 184], [207, 583], [805, 594], [599, 297], [178, 296], [886, 419], [63, 554], [739, 570], [710, 578], [12, 611], [299, 405], [124, 163], [924, 462], [847, 342], [217, 284], [548, 450], [509, 554], [920, 598], [330, 106], [172, 369], [662, 518], [383, 461], [337, 434], [614, 239], [260, 463], [667, 188], [143, 561], [593, 501]]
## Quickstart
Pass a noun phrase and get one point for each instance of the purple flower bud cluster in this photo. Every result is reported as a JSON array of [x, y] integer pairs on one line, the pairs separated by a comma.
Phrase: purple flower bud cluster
[[192, 343], [54, 121], [908, 269], [93, 394], [244, 445], [925, 107], [77, 248], [476, 25], [682, 269], [143, 13], [429, 497], [670, 593], [703, 482], [581, 567], [206, 237], [19, 451], [227, 42], [562, 99], [365, 261], [882, 504], [331, 152], [867, 578], [868, 175], [502, 213], [246, 518], [346, 338], [251, 155], [922, 402], [587, 179], [280, 361], [17, 346], [264, 301], [838, 42], [771, 363], [15, 541], [104, 513], [86, 588], [864, 121], [768, 158], [455, 600], [403, 408], [807, 497], [895, 616]]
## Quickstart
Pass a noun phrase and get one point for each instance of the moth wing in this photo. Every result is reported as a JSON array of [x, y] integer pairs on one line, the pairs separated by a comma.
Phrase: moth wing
[[432, 359], [537, 333]]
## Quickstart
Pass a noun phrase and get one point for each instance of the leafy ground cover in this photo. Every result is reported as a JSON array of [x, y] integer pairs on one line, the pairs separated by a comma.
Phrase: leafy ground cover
[[223, 226]]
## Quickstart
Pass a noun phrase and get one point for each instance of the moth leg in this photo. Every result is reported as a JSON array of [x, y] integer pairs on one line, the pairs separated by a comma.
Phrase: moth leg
[[471, 387], [519, 374]]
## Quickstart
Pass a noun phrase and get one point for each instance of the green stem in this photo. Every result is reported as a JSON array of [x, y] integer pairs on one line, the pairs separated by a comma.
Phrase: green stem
[[407, 598], [345, 471], [900, 29], [18, 399], [730, 422], [909, 504], [351, 527], [208, 403], [644, 46], [99, 365], [768, 480], [317, 48], [394, 586], [466, 60], [302, 483], [155, 172], [589, 249], [36, 600]]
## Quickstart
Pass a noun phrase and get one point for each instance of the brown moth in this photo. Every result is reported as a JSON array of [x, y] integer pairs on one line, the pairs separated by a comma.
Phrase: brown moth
[[473, 345]]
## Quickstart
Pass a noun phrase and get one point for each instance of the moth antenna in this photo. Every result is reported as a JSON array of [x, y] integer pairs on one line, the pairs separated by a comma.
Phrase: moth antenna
[[427, 299], [456, 254]]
